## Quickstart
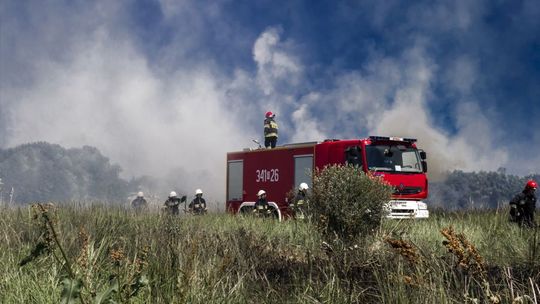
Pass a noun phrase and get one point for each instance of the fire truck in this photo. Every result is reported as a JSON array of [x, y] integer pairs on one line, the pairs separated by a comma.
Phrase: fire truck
[[278, 171]]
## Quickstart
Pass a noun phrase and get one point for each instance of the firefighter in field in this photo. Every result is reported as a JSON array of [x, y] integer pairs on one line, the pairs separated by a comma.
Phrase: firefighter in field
[[300, 203], [198, 204], [261, 208], [270, 130], [523, 205], [139, 203], [172, 204]]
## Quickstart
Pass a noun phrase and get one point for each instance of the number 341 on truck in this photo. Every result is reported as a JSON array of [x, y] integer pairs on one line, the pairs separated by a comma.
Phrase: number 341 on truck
[[397, 160]]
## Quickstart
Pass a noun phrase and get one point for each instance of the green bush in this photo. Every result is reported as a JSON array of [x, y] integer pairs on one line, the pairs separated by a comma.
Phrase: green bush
[[347, 203]]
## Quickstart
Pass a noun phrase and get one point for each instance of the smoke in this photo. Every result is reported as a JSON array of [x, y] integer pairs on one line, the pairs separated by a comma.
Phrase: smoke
[[473, 146], [276, 68], [110, 99], [391, 96], [104, 93], [171, 111]]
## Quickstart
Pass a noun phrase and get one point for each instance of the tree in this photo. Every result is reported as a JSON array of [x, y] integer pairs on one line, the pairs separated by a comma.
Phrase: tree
[[48, 172], [476, 189]]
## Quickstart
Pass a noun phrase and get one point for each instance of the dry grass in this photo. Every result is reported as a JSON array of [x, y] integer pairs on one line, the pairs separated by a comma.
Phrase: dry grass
[[98, 254]]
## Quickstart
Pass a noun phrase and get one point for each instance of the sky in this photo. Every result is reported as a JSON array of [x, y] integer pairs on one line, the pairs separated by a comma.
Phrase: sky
[[167, 87]]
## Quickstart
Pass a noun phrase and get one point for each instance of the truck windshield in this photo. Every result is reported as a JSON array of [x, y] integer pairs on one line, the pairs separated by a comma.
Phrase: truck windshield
[[393, 158]]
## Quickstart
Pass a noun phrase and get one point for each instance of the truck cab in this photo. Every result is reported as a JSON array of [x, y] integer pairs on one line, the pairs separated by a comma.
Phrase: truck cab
[[396, 160], [277, 171]]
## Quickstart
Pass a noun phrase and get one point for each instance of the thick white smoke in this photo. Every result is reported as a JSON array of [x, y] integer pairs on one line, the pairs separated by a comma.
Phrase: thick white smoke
[[104, 93], [473, 147], [391, 97]]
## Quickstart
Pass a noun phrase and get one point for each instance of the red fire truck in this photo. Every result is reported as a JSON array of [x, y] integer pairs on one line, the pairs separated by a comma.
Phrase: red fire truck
[[277, 171]]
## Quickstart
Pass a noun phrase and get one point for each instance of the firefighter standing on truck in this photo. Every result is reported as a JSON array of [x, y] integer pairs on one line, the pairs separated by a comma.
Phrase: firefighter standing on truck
[[198, 204], [270, 130], [261, 208], [523, 205], [300, 203]]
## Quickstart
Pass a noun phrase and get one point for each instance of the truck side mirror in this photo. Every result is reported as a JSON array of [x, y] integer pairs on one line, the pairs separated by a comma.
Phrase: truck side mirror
[[424, 166], [423, 155]]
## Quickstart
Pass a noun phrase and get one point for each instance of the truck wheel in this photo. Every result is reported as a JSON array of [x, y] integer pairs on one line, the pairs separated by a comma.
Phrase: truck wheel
[[274, 213], [246, 210]]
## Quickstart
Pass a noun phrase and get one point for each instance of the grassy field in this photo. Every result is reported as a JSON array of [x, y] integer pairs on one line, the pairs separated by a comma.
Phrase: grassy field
[[106, 255]]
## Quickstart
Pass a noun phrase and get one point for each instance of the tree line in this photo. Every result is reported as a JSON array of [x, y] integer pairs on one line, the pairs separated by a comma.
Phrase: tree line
[[48, 172], [483, 189], [43, 172]]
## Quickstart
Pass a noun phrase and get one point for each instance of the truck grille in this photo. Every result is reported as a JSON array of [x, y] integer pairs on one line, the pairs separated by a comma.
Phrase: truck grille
[[408, 190]]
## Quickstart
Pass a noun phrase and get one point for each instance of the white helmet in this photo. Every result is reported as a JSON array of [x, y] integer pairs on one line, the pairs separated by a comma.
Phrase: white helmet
[[261, 192], [303, 186], [140, 194], [198, 191], [172, 194]]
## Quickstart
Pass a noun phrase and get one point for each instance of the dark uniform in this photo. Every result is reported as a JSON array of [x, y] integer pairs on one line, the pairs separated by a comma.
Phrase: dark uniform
[[299, 205], [270, 132], [262, 209], [523, 208], [172, 205], [139, 203], [197, 205]]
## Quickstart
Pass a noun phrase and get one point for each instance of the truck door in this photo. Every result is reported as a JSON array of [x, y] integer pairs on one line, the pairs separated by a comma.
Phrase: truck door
[[303, 168], [235, 184]]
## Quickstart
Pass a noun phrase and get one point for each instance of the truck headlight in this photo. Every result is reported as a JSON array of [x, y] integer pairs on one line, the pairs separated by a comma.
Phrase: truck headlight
[[422, 205]]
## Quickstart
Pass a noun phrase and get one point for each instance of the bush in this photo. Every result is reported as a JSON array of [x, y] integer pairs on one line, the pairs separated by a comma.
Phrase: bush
[[347, 203]]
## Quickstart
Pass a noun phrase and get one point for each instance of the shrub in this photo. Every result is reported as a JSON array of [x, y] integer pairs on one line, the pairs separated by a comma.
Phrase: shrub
[[347, 203]]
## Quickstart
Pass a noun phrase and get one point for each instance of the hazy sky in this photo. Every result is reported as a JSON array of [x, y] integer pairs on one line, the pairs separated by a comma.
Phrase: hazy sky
[[171, 86]]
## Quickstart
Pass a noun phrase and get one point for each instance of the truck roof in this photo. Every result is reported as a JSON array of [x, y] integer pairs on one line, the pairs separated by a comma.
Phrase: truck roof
[[314, 143], [282, 147]]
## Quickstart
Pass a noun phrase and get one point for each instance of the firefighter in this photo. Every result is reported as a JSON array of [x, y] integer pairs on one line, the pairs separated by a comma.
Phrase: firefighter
[[198, 204], [523, 205], [270, 130], [262, 209], [139, 203], [172, 203], [300, 203]]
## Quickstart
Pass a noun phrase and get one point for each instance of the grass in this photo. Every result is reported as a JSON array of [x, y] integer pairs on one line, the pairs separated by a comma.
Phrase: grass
[[116, 255]]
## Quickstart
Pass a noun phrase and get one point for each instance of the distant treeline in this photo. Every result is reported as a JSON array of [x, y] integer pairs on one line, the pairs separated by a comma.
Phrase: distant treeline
[[48, 172], [465, 190], [42, 172]]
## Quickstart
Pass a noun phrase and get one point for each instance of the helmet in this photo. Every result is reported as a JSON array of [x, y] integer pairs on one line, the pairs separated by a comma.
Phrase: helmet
[[172, 194], [531, 185], [303, 186], [198, 191], [140, 194], [269, 114], [261, 192]]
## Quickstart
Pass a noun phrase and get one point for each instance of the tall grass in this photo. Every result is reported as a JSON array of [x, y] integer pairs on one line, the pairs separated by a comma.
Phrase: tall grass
[[220, 258]]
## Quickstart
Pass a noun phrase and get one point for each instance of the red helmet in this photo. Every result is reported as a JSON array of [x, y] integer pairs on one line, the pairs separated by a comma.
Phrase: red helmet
[[531, 185], [269, 114]]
